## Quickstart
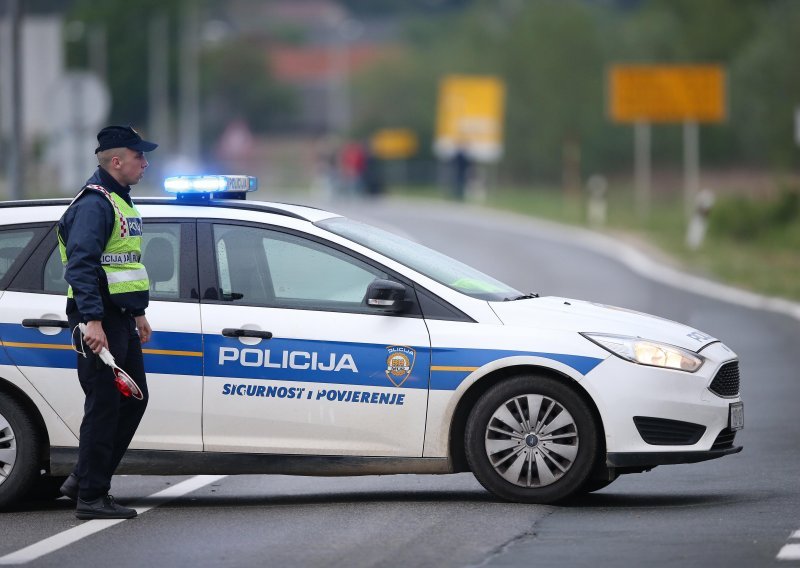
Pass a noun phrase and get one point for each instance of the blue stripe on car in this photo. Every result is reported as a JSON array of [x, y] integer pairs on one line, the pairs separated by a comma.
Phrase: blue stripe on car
[[173, 353]]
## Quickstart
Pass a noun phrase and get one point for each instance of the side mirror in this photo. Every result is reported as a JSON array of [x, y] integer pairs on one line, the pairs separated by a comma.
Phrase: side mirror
[[386, 295]]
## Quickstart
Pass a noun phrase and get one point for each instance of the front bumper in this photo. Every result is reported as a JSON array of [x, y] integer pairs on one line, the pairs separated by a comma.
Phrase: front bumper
[[624, 391], [648, 460]]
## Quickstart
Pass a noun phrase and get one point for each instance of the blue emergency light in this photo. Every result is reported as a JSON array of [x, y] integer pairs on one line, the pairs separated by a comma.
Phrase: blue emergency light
[[211, 186]]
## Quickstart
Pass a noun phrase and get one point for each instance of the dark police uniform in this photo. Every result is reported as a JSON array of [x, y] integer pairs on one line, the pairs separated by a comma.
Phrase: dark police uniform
[[86, 231]]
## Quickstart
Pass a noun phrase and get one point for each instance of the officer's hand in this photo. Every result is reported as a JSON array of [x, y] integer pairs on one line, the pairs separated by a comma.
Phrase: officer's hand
[[144, 329], [95, 336]]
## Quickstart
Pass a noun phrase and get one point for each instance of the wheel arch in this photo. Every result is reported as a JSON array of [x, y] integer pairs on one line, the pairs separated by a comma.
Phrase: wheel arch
[[11, 390], [466, 403]]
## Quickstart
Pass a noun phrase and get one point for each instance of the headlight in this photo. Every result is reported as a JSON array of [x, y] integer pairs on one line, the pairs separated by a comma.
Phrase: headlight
[[646, 352]]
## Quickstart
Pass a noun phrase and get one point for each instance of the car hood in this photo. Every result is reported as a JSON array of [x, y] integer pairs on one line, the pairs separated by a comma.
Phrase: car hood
[[576, 315]]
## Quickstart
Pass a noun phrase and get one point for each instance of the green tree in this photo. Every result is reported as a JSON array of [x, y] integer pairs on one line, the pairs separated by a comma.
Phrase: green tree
[[236, 84], [553, 59], [235, 79], [766, 88], [551, 56], [126, 28]]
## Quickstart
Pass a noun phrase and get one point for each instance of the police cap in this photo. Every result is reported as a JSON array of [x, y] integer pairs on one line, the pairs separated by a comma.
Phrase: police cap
[[122, 137]]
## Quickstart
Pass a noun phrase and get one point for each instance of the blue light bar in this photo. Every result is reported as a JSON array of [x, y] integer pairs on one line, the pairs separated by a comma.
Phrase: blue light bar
[[218, 185]]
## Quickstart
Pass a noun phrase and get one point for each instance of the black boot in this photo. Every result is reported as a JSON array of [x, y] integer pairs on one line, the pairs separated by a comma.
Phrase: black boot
[[70, 487], [103, 508]]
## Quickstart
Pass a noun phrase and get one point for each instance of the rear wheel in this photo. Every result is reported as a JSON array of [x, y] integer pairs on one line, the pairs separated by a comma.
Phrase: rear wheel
[[531, 439], [19, 441]]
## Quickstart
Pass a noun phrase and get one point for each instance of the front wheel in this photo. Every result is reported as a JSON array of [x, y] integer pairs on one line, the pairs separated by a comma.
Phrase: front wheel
[[531, 439], [19, 441], [593, 485]]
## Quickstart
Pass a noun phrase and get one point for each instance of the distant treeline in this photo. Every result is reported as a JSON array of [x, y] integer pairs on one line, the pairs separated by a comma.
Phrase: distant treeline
[[554, 56]]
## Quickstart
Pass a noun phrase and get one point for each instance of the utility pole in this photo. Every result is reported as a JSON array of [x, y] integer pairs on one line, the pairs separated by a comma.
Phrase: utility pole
[[189, 130], [691, 165], [158, 82], [15, 169], [343, 31], [642, 175], [339, 111], [97, 46]]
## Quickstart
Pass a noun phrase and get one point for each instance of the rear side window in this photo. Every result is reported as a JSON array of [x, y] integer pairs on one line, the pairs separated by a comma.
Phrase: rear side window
[[168, 253], [161, 255], [13, 243], [54, 274]]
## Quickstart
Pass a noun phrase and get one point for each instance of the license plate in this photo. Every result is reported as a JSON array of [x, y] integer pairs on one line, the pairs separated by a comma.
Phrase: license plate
[[736, 420]]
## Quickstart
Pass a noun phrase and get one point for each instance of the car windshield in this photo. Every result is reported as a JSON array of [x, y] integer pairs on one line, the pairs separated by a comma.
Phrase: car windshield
[[434, 265]]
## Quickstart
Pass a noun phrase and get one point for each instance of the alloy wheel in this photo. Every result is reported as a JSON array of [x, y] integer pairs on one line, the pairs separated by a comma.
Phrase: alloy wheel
[[8, 449], [531, 440]]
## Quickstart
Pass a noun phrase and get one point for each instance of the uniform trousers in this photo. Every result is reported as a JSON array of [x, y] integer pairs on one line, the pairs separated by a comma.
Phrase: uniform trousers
[[110, 419]]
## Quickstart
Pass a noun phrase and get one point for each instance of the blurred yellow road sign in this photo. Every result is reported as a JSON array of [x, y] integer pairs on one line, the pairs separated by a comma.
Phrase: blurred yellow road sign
[[667, 93], [470, 117], [394, 143]]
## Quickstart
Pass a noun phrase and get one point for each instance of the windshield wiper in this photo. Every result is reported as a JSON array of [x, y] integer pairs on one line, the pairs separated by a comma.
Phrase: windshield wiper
[[523, 297]]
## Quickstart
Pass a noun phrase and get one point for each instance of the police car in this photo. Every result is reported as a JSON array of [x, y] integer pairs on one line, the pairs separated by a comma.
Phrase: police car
[[291, 340]]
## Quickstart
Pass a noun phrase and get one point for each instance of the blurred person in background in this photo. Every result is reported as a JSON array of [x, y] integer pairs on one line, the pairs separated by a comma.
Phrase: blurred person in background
[[372, 177], [462, 166], [352, 162]]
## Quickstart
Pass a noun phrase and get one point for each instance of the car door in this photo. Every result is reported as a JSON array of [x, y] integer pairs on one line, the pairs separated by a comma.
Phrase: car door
[[295, 361], [36, 338]]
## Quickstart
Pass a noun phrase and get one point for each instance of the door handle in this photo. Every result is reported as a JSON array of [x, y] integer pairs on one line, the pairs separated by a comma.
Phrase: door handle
[[238, 332], [45, 323]]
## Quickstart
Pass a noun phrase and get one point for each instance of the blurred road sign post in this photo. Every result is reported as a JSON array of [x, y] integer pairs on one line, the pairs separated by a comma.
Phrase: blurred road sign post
[[395, 145], [643, 94], [469, 129], [470, 117]]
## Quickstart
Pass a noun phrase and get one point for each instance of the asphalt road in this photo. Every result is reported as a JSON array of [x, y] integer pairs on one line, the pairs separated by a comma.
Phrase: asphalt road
[[736, 511]]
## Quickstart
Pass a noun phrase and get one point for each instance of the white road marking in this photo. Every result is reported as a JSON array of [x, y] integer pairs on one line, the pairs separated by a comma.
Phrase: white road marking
[[789, 552], [70, 536]]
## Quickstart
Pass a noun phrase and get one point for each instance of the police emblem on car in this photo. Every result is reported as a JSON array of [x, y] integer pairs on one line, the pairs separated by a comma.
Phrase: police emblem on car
[[399, 363]]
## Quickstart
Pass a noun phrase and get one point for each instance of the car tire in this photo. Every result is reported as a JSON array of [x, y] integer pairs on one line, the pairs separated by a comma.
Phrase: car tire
[[19, 443], [593, 485], [46, 488], [541, 461]]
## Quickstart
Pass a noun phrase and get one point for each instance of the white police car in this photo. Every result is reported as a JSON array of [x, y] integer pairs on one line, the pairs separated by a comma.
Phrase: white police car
[[292, 340]]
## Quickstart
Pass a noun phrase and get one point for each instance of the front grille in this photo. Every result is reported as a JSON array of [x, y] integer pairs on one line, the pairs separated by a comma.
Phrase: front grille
[[726, 382], [724, 440], [664, 432]]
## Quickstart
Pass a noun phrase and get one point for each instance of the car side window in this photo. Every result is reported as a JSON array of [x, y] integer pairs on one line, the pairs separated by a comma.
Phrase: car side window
[[161, 248], [265, 267], [161, 245], [54, 282], [12, 243]]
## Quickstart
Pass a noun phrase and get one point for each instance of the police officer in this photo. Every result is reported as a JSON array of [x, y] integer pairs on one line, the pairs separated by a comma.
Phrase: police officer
[[99, 237]]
